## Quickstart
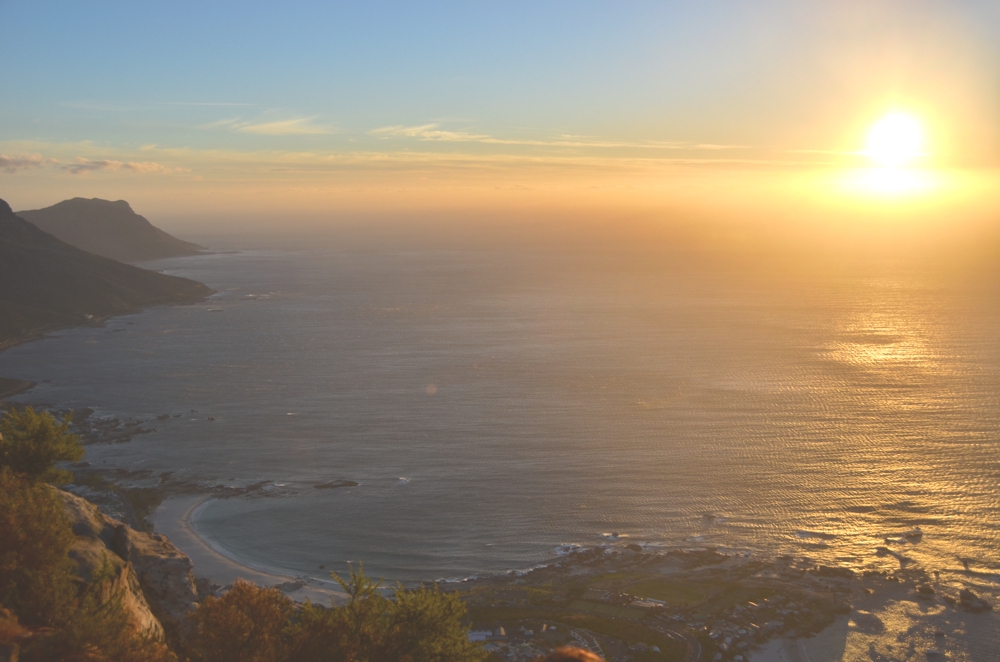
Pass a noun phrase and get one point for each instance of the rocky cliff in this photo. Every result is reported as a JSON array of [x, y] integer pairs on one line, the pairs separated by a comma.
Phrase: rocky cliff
[[153, 577]]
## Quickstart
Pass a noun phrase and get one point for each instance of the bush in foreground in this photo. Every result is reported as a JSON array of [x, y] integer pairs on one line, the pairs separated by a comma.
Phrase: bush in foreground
[[64, 619], [36, 573], [245, 625], [32, 442], [254, 624]]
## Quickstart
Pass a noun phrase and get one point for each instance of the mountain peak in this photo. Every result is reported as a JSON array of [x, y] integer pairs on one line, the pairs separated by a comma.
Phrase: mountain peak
[[96, 201], [110, 229]]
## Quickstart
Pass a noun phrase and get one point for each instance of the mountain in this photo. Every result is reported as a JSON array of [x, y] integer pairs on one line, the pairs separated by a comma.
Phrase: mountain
[[109, 229], [47, 284]]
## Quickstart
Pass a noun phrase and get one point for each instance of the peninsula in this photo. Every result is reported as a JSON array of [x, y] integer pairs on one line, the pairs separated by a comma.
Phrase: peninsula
[[47, 284]]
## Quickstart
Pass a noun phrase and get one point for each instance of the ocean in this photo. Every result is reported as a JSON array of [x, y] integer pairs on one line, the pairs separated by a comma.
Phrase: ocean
[[494, 406]]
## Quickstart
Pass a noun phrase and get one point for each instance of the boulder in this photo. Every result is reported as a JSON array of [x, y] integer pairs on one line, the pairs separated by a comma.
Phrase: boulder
[[972, 602]]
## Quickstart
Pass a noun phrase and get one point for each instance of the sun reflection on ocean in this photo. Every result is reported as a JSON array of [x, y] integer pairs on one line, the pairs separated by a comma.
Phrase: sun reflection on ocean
[[882, 335]]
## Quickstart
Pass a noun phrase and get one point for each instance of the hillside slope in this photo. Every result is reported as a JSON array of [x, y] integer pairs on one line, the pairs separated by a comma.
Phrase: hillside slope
[[47, 284], [109, 229]]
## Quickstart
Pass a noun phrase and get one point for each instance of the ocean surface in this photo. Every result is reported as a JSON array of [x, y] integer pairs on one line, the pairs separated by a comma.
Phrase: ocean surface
[[494, 406]]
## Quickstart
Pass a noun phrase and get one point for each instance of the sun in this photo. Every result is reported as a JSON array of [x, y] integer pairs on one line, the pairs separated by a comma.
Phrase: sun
[[895, 140]]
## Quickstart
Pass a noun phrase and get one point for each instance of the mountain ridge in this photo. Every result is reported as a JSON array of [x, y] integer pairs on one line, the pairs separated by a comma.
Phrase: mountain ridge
[[109, 229], [46, 284]]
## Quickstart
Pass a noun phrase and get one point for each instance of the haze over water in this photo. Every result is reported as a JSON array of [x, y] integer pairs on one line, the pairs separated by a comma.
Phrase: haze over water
[[494, 405]]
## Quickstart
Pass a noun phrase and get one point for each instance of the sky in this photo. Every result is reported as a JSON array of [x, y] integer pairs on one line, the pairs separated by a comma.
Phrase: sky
[[316, 112]]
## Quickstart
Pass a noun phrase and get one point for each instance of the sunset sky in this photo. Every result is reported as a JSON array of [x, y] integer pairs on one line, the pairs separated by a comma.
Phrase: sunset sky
[[323, 110]]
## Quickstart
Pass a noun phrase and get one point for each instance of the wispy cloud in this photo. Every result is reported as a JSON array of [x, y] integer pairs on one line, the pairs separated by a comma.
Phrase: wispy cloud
[[429, 132], [229, 123], [12, 164], [299, 126], [834, 152], [82, 165], [433, 132], [459, 161]]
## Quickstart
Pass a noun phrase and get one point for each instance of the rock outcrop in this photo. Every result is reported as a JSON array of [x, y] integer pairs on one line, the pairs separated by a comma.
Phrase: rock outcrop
[[153, 577]]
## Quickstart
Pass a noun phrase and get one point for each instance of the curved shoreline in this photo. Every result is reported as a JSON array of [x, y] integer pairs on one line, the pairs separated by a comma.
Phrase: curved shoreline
[[176, 519]]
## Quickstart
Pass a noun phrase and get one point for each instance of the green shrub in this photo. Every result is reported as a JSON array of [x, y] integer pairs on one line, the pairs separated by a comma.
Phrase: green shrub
[[98, 629], [36, 573], [32, 442], [425, 625], [245, 625]]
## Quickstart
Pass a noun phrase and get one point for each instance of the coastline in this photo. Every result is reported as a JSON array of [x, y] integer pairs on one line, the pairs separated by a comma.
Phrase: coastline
[[176, 518], [100, 321], [11, 387]]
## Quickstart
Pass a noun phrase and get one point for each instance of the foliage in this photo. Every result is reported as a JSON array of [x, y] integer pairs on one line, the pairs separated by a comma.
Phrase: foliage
[[247, 624], [256, 624], [244, 625], [353, 632], [33, 442], [426, 625], [36, 573], [98, 629], [39, 585], [144, 502]]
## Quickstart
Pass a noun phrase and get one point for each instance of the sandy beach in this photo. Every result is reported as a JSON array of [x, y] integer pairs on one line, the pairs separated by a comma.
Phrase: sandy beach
[[176, 517]]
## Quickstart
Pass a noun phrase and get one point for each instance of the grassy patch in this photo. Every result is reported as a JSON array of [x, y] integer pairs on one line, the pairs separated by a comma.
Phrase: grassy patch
[[734, 594], [613, 579], [673, 592], [541, 598], [490, 614], [630, 613]]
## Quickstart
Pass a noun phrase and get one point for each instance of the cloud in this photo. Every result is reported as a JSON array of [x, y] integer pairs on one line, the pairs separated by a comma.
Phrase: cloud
[[82, 165], [434, 133], [300, 126], [429, 132], [12, 164]]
